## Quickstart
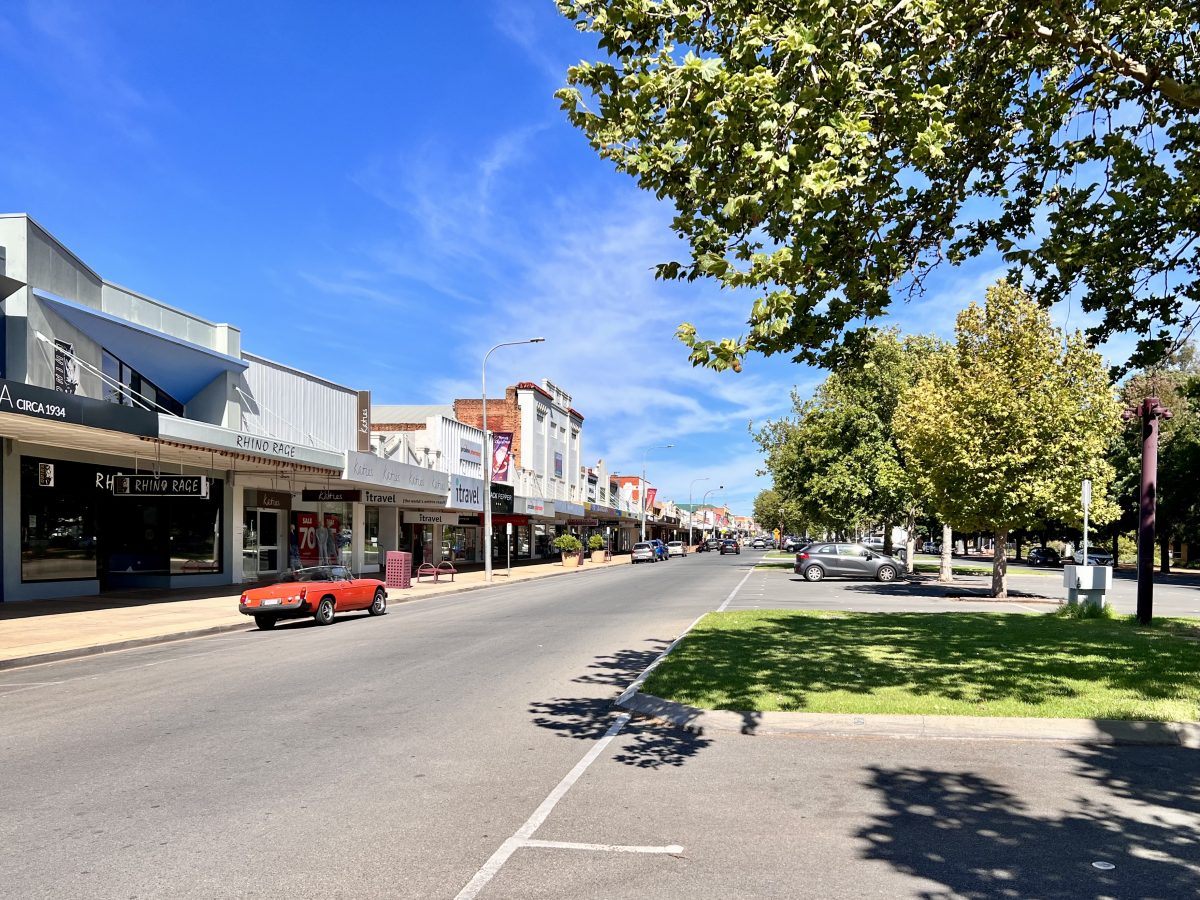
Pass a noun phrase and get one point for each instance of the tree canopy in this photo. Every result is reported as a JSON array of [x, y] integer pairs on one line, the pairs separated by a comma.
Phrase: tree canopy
[[825, 155], [1006, 426]]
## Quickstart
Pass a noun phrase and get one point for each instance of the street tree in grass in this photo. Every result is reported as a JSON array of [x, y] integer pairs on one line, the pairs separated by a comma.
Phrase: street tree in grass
[[822, 156], [838, 458], [773, 510], [1008, 423]]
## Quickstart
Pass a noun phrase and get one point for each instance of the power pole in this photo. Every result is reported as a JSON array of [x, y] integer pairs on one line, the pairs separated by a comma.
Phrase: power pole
[[1149, 411]]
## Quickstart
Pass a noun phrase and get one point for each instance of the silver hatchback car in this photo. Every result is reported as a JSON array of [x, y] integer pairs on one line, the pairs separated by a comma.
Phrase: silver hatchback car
[[643, 551], [846, 561]]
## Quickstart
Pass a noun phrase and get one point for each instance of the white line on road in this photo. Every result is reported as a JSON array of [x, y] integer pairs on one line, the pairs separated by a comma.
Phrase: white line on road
[[607, 848], [525, 832]]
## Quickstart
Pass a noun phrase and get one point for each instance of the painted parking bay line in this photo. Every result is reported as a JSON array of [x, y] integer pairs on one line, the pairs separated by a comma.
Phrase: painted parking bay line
[[673, 849]]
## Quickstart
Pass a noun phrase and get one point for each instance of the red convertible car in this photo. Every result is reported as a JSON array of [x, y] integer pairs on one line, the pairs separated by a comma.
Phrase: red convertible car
[[319, 591]]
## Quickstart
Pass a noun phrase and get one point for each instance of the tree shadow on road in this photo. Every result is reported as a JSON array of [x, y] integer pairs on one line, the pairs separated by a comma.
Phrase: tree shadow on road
[[645, 745], [976, 839]]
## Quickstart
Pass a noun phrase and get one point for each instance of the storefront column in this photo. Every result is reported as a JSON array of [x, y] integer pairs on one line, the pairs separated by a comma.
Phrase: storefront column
[[358, 520], [389, 533], [235, 527]]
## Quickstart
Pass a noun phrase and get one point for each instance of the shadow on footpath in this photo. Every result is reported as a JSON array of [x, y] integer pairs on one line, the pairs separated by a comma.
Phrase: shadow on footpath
[[642, 745], [977, 839]]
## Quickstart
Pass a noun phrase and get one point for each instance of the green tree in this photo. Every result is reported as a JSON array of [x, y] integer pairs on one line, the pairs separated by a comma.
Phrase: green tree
[[1009, 422], [839, 457], [773, 510], [822, 155]]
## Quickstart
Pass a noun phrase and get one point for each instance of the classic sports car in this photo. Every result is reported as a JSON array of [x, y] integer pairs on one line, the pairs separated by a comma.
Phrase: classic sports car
[[318, 591]]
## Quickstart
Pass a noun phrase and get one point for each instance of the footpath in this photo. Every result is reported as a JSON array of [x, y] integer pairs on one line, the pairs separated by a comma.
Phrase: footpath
[[39, 631]]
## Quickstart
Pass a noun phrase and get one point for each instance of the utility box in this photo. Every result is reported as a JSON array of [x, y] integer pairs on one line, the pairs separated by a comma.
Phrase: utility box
[[1088, 585]]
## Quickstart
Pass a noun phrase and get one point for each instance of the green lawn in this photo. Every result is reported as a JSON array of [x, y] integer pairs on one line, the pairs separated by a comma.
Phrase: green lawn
[[975, 664]]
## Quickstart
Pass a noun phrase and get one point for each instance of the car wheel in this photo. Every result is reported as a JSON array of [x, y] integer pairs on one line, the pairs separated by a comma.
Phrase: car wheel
[[886, 573], [266, 623], [814, 573], [378, 606], [324, 614]]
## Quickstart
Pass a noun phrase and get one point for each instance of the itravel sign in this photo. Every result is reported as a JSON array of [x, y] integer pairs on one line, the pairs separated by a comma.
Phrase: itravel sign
[[160, 486]]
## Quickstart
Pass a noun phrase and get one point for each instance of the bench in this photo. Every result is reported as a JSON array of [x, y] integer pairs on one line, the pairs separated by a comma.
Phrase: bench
[[436, 572]]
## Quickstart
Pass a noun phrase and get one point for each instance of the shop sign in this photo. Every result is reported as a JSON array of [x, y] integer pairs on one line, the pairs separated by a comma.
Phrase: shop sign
[[22, 399], [274, 500], [558, 465], [569, 509], [502, 499], [158, 485], [535, 506], [468, 520], [202, 434], [510, 520], [586, 523], [470, 451], [501, 455], [396, 476], [465, 493], [364, 421], [327, 496], [420, 517]]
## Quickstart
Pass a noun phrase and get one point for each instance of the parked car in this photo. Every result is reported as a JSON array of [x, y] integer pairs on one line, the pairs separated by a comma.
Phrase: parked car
[[759, 544], [1043, 556], [676, 548], [660, 549], [1096, 556], [931, 547], [846, 560], [643, 551], [317, 591], [729, 545]]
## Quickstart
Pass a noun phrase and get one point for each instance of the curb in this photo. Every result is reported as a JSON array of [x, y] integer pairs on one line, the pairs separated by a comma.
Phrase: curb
[[980, 728], [20, 662]]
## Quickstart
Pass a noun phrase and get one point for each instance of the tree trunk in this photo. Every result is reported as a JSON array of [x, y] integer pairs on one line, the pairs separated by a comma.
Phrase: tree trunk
[[1018, 539], [1116, 549], [946, 569], [1164, 544], [1000, 565], [910, 543], [887, 538]]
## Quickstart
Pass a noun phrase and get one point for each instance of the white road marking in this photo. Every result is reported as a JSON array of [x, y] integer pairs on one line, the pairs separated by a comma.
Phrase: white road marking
[[606, 848], [523, 837], [525, 832]]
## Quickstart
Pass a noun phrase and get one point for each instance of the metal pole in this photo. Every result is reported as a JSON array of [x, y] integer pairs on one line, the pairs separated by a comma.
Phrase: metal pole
[[643, 490], [691, 509]]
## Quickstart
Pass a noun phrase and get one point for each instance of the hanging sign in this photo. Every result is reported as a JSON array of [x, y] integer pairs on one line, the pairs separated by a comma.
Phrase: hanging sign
[[501, 455], [326, 496], [160, 486]]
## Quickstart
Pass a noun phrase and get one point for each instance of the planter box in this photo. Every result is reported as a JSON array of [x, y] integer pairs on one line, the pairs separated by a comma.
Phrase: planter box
[[597, 556], [570, 560]]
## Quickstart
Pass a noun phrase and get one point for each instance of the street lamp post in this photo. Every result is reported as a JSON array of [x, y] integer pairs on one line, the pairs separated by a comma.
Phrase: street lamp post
[[643, 490], [487, 461], [691, 509], [719, 487]]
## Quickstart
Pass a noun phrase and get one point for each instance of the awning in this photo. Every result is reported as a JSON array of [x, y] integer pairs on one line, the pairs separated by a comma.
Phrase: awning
[[180, 368]]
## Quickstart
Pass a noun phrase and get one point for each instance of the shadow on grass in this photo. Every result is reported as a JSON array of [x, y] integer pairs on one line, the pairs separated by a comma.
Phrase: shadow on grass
[[728, 663], [642, 745], [977, 839]]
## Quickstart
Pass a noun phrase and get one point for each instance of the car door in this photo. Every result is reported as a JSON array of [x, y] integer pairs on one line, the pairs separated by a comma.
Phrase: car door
[[826, 556]]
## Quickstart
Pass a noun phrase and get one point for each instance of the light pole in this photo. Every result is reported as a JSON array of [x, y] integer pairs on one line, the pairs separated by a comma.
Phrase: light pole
[[691, 509], [643, 490], [487, 461], [719, 487]]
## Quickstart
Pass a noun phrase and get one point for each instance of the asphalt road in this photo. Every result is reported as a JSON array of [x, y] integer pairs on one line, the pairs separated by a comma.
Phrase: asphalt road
[[414, 755]]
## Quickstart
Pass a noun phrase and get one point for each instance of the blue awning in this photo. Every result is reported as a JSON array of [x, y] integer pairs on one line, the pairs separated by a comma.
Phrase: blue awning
[[180, 368]]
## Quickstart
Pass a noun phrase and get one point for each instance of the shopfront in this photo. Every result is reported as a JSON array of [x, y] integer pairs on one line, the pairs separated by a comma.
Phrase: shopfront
[[84, 521]]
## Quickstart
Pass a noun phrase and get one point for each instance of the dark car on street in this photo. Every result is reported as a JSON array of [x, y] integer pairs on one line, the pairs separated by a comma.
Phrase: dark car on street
[[846, 561], [729, 545], [1043, 556]]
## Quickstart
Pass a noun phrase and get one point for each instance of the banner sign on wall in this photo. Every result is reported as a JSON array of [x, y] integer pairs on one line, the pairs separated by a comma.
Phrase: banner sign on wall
[[66, 370], [501, 454], [364, 422], [558, 468], [650, 495], [465, 493], [469, 451], [327, 496]]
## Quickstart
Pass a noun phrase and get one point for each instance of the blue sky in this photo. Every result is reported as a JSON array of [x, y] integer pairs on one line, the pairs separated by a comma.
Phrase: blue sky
[[377, 193]]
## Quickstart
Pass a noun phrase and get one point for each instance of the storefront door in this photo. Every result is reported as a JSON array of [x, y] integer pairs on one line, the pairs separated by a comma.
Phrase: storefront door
[[261, 552]]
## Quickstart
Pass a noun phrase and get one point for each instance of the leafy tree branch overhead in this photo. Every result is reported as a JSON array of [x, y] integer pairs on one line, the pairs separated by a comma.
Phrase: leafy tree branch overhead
[[827, 155]]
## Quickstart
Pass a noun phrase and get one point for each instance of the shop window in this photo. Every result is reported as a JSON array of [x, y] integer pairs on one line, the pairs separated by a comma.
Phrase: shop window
[[126, 386], [58, 522], [371, 536]]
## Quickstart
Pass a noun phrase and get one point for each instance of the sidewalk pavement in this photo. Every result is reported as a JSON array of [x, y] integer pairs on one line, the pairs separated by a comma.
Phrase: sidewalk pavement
[[39, 631]]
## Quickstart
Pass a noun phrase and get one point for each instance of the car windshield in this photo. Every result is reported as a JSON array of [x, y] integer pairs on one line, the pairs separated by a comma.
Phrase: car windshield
[[641, 546], [315, 573]]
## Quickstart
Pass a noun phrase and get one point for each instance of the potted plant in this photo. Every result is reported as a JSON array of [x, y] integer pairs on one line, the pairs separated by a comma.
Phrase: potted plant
[[569, 546], [596, 545]]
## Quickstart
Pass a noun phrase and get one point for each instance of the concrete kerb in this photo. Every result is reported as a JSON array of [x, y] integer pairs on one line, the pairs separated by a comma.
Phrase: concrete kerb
[[20, 662], [979, 728]]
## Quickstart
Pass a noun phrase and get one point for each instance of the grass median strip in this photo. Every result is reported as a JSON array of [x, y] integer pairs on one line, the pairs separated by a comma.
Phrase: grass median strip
[[969, 664]]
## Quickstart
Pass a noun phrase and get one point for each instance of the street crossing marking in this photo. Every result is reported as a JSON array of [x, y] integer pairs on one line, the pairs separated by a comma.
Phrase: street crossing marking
[[606, 848]]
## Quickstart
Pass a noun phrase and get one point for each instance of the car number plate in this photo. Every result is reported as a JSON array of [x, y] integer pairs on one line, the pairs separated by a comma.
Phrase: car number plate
[[272, 601]]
